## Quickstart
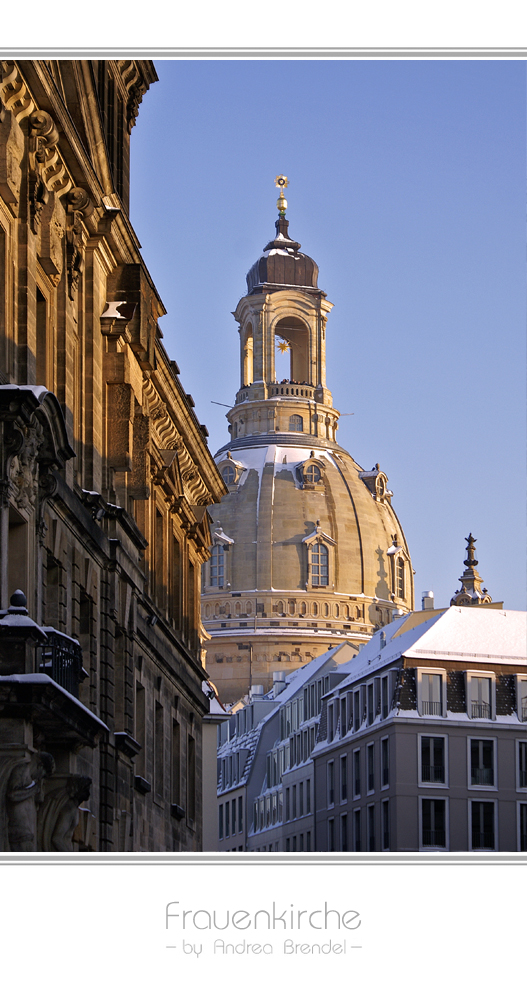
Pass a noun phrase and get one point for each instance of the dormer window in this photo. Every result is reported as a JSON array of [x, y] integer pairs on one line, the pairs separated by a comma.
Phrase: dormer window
[[319, 565], [217, 566], [228, 474], [311, 474], [400, 578]]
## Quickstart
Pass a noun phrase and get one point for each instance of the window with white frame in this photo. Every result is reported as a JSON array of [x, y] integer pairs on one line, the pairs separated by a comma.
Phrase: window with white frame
[[431, 692], [432, 760], [370, 758], [385, 809], [385, 762], [522, 826], [434, 823], [521, 782], [356, 774], [521, 697], [482, 823], [482, 764], [331, 783], [481, 695]]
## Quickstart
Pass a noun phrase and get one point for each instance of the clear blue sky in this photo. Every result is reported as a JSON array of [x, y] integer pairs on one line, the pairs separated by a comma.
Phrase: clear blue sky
[[407, 186]]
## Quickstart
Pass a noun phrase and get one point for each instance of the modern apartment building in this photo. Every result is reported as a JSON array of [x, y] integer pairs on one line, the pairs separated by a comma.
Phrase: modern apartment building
[[424, 745]]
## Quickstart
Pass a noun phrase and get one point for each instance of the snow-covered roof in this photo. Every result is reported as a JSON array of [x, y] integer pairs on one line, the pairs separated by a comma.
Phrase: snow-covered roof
[[471, 635]]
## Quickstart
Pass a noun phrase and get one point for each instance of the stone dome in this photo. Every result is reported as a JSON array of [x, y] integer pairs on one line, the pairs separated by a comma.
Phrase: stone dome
[[307, 548]]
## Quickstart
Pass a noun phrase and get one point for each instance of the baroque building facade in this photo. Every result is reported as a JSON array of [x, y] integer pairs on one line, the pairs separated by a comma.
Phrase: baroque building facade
[[307, 548], [105, 481]]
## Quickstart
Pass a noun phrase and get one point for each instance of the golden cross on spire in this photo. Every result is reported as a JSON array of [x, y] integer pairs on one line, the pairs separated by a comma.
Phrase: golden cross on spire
[[281, 182]]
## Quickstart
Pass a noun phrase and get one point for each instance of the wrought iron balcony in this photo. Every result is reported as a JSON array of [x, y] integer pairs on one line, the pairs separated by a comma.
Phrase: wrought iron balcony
[[433, 772], [61, 658], [434, 838], [482, 775], [431, 708], [480, 710]]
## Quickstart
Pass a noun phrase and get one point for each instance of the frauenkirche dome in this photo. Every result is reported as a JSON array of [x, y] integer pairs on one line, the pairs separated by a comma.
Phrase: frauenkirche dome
[[307, 548]]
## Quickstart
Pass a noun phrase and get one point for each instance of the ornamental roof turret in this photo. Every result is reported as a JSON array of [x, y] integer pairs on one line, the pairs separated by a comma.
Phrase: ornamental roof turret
[[471, 591], [282, 265]]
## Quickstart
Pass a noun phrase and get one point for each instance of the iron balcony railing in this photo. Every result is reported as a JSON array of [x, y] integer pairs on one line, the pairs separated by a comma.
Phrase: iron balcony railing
[[432, 708], [434, 838], [482, 775], [480, 840], [480, 710], [433, 772], [61, 658]]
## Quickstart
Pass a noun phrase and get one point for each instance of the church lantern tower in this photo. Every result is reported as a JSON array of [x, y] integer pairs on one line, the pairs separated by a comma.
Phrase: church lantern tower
[[307, 549]]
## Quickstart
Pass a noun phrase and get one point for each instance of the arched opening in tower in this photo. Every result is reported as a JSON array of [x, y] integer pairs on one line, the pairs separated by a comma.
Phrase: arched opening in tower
[[247, 359], [293, 361]]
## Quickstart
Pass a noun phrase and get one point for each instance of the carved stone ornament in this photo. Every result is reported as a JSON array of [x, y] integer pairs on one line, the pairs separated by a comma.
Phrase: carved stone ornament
[[80, 208], [58, 815], [20, 797], [47, 170], [23, 468], [11, 155]]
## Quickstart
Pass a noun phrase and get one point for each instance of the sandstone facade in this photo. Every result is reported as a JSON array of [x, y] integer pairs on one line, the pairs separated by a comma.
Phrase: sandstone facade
[[105, 482]]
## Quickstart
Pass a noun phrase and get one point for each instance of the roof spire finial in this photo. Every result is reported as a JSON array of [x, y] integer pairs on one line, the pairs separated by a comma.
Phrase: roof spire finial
[[281, 182]]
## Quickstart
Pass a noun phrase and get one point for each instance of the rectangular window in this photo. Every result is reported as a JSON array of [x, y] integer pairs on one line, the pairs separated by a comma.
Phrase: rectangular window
[[191, 779], [343, 719], [240, 815], [356, 711], [483, 834], [293, 798], [176, 762], [433, 759], [301, 799], [480, 698], [331, 834], [344, 832], [140, 729], [294, 843], [384, 697], [433, 814], [343, 779], [521, 688], [308, 795], [431, 694], [522, 764], [356, 831], [233, 816], [386, 825], [370, 705], [287, 804], [308, 840], [227, 819], [371, 828], [385, 761], [356, 772], [522, 820], [482, 762], [288, 844], [220, 822], [331, 783], [331, 726], [371, 772], [158, 750]]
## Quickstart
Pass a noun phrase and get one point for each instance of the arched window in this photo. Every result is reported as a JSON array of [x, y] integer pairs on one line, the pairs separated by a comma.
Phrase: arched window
[[337, 610], [291, 607], [311, 474], [296, 423], [400, 578], [237, 608], [319, 565], [248, 608], [280, 607], [217, 566], [315, 608], [303, 608], [326, 610], [228, 474]]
